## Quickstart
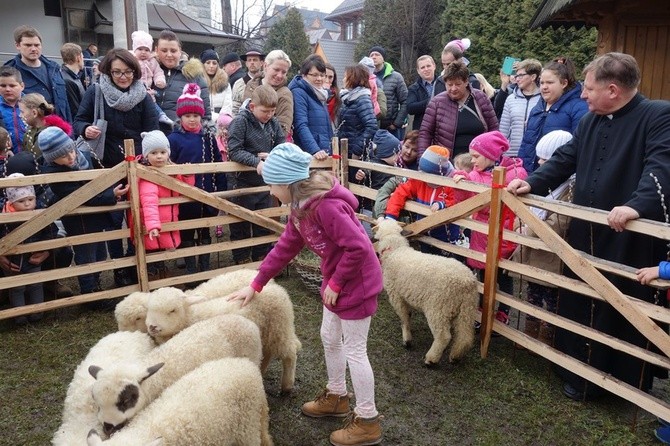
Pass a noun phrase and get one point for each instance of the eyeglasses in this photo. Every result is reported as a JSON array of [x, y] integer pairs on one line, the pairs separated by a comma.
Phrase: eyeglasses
[[118, 74], [518, 75], [316, 75]]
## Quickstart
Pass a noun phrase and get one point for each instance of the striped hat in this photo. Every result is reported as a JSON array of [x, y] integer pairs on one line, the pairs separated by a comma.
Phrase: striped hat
[[54, 143], [286, 164], [190, 101], [435, 160]]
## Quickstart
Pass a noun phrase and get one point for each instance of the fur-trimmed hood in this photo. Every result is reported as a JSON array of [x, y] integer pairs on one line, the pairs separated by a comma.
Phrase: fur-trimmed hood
[[192, 69], [218, 83]]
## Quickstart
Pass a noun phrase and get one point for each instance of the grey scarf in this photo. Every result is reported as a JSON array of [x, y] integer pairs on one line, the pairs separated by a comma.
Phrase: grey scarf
[[122, 100], [82, 162]]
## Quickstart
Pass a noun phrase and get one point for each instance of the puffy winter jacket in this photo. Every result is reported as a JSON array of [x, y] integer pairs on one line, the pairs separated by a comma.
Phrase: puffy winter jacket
[[153, 215], [441, 118], [175, 79], [515, 116], [396, 96], [564, 114], [478, 240], [418, 99], [357, 120], [312, 130]]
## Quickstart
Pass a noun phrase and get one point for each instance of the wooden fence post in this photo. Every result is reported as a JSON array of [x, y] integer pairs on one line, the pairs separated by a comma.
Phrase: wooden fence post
[[344, 153], [492, 253], [134, 194], [337, 165]]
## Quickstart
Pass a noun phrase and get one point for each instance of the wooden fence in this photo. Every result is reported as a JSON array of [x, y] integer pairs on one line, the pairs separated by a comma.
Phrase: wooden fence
[[591, 282]]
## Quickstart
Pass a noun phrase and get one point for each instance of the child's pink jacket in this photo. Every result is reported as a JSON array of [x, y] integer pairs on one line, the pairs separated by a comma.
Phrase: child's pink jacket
[[479, 241]]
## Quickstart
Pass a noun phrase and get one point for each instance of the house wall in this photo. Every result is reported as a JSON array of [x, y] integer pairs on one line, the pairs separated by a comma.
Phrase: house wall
[[30, 12]]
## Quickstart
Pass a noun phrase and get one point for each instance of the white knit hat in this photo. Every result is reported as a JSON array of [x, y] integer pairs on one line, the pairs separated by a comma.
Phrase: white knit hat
[[154, 140], [142, 39], [548, 144], [16, 193]]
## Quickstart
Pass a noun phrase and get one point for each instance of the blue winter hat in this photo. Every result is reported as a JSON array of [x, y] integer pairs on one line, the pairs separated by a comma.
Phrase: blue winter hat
[[54, 143], [435, 160], [286, 164], [386, 144]]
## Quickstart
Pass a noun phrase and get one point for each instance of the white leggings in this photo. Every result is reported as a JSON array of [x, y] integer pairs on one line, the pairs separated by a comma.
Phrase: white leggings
[[345, 341]]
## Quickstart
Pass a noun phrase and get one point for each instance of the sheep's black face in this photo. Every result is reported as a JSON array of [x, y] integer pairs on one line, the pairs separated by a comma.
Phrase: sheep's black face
[[109, 429], [128, 398]]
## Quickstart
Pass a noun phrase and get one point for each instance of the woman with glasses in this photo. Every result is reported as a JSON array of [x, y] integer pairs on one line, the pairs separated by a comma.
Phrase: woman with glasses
[[312, 129], [129, 111], [519, 103], [560, 108]]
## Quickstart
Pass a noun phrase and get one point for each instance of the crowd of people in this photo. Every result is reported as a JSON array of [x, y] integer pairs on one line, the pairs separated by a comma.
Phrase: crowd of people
[[596, 142]]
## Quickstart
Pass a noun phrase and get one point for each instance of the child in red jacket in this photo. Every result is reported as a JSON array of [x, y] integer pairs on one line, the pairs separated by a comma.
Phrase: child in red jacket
[[156, 153]]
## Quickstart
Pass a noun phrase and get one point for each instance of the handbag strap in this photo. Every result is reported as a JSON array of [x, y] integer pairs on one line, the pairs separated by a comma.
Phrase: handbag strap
[[99, 106]]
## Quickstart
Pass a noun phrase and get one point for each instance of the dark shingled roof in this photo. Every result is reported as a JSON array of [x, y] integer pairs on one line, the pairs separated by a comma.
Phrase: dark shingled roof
[[548, 10], [346, 7]]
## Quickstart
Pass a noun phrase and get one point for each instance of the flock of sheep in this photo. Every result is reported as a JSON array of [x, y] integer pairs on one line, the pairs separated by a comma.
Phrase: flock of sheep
[[186, 367]]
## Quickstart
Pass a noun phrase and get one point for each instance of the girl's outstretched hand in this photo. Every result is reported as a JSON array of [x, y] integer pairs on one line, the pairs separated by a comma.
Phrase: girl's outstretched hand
[[330, 296], [646, 275], [246, 294]]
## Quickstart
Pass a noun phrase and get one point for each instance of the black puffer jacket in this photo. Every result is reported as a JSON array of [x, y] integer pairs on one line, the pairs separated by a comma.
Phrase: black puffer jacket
[[175, 79]]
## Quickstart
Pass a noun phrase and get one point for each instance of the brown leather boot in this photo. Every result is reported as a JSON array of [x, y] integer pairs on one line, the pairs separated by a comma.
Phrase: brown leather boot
[[327, 405], [358, 431]]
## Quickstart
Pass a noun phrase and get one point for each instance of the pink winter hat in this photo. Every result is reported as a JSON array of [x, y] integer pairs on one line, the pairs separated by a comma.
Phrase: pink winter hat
[[461, 44], [224, 120], [142, 38], [490, 145]]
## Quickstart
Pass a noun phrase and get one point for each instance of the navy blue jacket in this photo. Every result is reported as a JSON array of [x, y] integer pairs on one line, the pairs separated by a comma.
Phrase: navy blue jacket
[[52, 87], [311, 123], [193, 148], [418, 99], [357, 120], [563, 115], [120, 125]]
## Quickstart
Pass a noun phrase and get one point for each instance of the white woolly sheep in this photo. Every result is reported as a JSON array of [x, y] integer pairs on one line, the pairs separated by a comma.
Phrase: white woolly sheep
[[120, 393], [202, 408], [131, 312], [170, 311], [79, 409], [444, 289]]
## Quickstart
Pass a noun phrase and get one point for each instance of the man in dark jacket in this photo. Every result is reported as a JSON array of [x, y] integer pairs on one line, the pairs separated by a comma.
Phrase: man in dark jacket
[[620, 154], [395, 91], [422, 91], [73, 74], [40, 75]]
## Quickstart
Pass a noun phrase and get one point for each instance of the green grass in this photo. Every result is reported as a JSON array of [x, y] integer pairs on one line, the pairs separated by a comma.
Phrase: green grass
[[510, 398]]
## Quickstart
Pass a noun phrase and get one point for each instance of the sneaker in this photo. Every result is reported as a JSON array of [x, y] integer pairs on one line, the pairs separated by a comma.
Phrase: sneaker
[[163, 119], [358, 431], [502, 317], [327, 404]]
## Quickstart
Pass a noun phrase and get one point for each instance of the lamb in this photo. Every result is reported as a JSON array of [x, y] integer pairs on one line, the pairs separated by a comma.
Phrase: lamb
[[79, 409], [131, 312], [202, 408], [444, 289], [171, 310], [120, 391]]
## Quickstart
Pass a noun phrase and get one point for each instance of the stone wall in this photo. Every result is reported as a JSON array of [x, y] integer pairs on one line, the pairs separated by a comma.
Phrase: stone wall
[[200, 10]]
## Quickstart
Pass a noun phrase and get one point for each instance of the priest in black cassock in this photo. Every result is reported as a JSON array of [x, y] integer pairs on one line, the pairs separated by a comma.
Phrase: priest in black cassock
[[621, 141]]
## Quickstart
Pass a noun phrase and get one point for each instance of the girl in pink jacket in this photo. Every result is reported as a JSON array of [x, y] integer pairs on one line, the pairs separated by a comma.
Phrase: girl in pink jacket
[[156, 153], [487, 151]]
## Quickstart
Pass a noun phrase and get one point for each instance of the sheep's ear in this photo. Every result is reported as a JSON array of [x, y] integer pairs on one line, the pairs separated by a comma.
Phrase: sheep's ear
[[194, 299], [406, 233], [153, 369], [93, 438], [94, 370]]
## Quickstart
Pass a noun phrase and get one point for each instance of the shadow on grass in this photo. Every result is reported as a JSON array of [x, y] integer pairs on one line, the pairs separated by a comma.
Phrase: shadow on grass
[[510, 398]]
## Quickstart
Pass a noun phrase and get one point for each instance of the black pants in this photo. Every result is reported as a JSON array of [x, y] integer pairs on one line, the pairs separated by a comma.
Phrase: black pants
[[245, 230]]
